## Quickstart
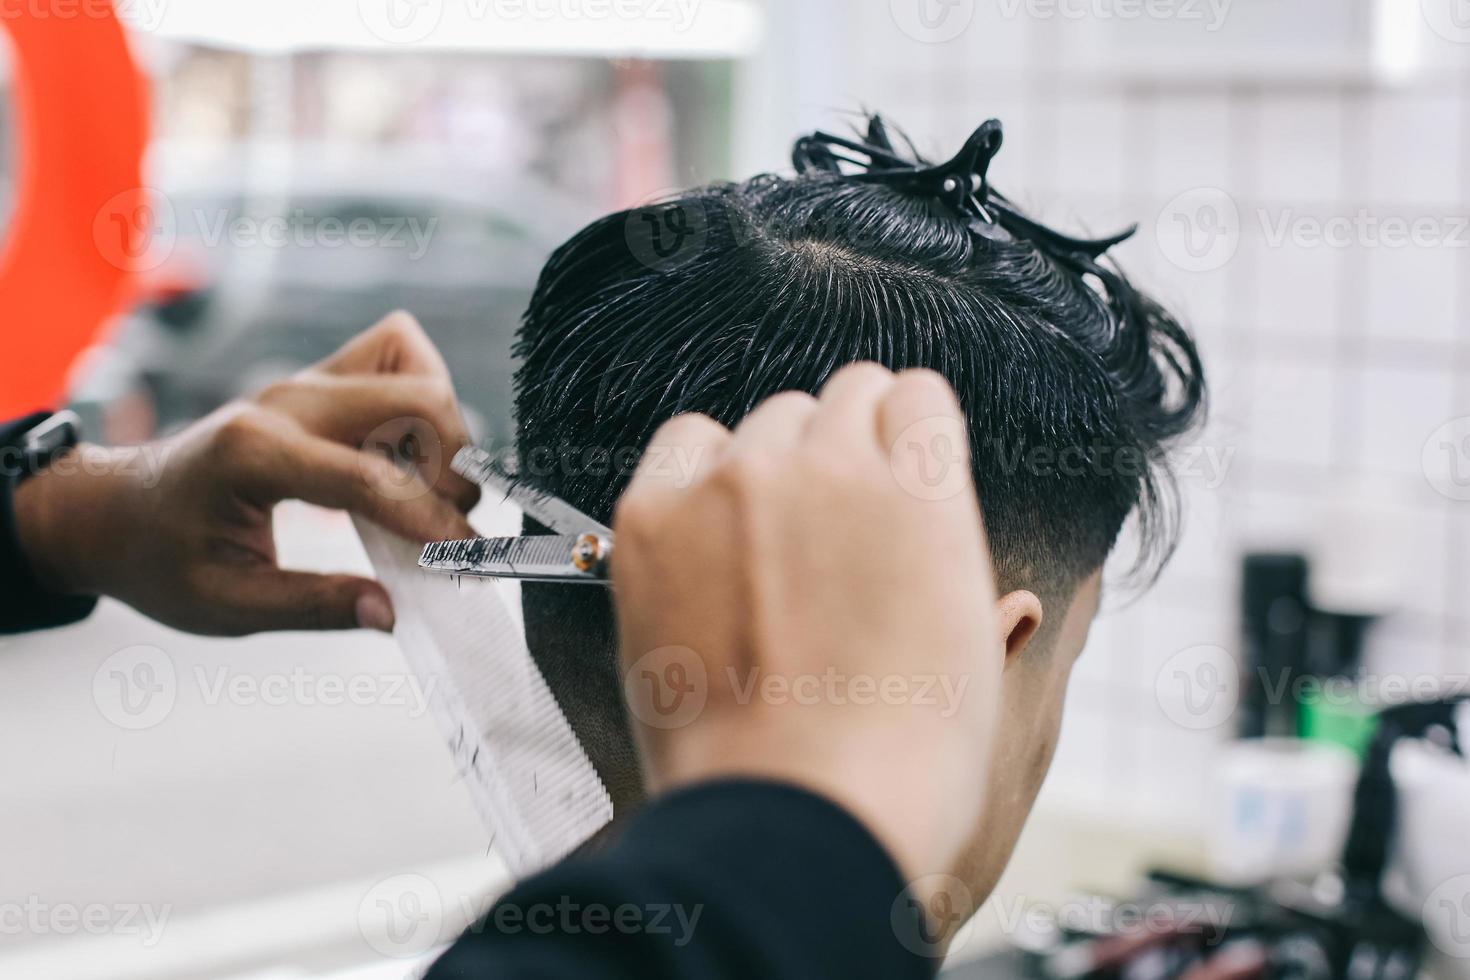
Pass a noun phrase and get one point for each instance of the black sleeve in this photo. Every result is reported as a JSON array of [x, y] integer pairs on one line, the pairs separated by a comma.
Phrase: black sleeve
[[730, 880], [24, 605]]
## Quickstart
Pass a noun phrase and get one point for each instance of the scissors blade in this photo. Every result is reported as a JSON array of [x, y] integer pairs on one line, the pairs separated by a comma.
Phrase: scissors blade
[[556, 514], [541, 558]]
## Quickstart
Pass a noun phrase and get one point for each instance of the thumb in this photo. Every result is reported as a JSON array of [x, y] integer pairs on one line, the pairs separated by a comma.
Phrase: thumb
[[281, 600]]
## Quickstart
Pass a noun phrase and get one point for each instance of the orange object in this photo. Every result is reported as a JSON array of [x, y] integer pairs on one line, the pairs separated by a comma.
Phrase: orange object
[[82, 223]]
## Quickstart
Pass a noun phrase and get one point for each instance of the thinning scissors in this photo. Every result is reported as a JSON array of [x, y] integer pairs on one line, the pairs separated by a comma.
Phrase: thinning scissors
[[579, 548]]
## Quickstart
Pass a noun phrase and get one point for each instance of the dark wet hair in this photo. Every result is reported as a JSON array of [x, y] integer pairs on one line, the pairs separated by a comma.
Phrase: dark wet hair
[[1073, 381]]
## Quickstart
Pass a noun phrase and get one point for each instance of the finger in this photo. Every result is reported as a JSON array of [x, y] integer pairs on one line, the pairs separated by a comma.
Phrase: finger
[[412, 419], [318, 471], [272, 599], [926, 438], [396, 344], [848, 406], [777, 423], [679, 451], [920, 405]]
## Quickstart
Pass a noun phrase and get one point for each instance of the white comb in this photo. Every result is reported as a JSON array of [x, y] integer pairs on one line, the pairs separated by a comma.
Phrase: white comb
[[530, 780]]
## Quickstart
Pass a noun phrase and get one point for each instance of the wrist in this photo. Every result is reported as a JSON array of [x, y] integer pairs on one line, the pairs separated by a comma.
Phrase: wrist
[[58, 512]]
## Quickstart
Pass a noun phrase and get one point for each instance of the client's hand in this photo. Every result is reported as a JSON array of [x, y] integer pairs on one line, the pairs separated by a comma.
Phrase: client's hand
[[794, 612], [181, 529]]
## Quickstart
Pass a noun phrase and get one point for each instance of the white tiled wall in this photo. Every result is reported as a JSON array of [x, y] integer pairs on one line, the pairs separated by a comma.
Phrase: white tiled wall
[[1329, 365]]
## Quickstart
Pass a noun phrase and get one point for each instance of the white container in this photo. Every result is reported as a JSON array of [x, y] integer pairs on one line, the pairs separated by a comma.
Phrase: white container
[[1429, 875], [1278, 807]]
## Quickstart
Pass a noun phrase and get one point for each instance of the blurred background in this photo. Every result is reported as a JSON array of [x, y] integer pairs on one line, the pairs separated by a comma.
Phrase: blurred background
[[1301, 175]]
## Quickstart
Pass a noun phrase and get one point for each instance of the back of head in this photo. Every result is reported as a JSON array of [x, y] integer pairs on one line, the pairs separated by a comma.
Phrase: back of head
[[1073, 382]]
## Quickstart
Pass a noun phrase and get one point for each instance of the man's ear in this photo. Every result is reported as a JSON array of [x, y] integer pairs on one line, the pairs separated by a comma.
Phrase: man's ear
[[1020, 618]]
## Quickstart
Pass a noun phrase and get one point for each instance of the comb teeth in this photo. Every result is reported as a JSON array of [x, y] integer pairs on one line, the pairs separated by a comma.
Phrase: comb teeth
[[548, 550], [475, 464], [480, 467], [547, 509], [456, 553], [548, 556]]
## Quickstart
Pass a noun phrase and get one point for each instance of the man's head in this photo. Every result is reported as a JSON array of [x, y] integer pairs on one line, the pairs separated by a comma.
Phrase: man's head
[[1072, 384]]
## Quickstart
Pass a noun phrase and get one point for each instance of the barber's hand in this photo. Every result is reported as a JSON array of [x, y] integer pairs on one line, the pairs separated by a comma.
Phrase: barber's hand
[[181, 529], [793, 612]]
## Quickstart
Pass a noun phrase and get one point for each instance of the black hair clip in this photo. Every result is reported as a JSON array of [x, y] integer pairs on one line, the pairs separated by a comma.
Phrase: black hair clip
[[963, 184]]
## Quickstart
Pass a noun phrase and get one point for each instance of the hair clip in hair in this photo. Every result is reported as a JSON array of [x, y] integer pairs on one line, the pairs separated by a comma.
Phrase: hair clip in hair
[[963, 183], [967, 195], [988, 228]]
